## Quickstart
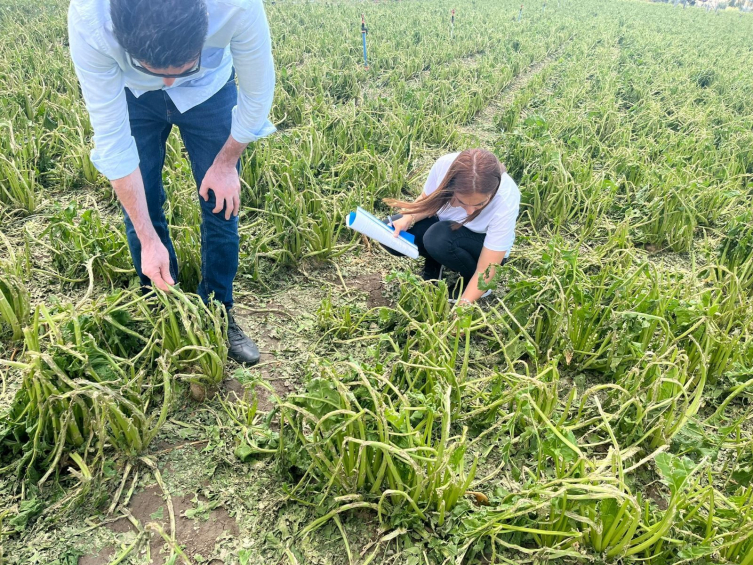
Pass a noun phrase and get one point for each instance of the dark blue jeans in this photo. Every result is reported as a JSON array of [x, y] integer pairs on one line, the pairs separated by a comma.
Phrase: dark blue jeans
[[456, 249], [205, 129]]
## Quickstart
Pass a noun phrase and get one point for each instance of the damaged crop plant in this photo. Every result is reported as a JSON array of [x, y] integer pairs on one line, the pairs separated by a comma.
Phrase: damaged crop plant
[[102, 375], [595, 409]]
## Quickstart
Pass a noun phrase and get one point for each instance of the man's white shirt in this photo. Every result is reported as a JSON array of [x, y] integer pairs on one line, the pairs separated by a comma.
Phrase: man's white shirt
[[238, 36]]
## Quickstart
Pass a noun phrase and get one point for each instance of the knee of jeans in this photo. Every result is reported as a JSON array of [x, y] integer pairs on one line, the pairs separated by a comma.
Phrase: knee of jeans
[[215, 223], [208, 206], [438, 240]]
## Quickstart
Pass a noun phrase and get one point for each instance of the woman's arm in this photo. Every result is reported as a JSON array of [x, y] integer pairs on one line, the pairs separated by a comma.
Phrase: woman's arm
[[487, 259]]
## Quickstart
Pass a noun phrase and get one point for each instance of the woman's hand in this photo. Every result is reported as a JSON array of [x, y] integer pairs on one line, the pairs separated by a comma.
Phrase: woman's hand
[[402, 224], [488, 260]]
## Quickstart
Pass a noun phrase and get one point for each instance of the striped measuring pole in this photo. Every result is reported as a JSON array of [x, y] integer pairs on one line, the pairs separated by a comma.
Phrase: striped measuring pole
[[452, 24], [520, 14]]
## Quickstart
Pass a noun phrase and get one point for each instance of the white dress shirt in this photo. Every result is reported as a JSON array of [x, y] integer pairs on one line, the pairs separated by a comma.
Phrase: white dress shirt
[[238, 36]]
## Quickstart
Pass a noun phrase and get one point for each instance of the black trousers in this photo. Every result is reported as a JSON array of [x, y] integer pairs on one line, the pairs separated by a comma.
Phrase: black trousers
[[457, 249]]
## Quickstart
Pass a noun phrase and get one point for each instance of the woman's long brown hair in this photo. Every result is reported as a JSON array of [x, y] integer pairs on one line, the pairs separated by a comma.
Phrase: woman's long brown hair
[[474, 171]]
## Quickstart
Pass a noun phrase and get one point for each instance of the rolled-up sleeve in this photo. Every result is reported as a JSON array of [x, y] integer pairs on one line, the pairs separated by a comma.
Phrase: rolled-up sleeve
[[251, 48], [102, 83]]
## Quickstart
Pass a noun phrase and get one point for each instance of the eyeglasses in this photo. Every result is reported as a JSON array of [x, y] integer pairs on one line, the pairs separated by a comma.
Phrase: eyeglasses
[[474, 206], [141, 68]]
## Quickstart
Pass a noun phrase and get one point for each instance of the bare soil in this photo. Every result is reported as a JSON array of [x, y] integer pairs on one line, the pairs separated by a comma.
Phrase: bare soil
[[373, 285], [197, 536]]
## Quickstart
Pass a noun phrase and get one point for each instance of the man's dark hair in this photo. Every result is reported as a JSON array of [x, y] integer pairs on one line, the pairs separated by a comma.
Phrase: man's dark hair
[[160, 33]]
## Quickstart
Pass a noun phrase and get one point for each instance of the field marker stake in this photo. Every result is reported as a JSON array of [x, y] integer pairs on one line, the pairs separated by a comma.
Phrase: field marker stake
[[452, 24], [520, 14], [364, 31]]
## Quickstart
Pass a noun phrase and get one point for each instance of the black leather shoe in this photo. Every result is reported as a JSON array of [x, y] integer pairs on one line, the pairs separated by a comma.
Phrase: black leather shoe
[[240, 347]]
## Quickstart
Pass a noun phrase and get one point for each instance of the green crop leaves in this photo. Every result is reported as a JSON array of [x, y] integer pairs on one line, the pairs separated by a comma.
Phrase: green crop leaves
[[596, 407], [74, 240], [89, 377], [194, 336], [356, 434], [15, 302], [14, 305]]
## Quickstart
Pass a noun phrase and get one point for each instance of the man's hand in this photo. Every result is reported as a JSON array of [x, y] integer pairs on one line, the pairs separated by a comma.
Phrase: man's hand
[[155, 261], [155, 264], [222, 179]]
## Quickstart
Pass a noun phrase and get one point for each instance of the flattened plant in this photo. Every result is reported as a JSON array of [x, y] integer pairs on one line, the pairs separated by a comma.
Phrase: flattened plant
[[193, 335], [75, 240], [15, 302], [354, 434], [87, 384]]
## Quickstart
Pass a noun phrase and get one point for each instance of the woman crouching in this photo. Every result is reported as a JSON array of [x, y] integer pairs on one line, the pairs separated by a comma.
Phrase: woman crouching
[[464, 219]]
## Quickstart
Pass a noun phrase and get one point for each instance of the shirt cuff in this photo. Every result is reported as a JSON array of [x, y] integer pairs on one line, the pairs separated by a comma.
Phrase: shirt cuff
[[244, 135], [116, 165]]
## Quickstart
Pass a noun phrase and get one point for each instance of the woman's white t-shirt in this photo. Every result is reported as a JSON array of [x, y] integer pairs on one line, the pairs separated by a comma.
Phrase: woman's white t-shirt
[[496, 220]]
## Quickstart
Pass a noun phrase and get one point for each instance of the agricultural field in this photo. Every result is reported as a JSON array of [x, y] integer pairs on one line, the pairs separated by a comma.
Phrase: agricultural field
[[595, 409]]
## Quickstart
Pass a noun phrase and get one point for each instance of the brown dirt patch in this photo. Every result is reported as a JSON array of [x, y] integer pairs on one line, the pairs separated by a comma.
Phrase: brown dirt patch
[[198, 535], [104, 556], [654, 493], [235, 390], [373, 285]]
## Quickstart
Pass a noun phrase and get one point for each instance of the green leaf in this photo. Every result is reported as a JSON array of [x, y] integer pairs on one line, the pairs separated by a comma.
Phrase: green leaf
[[202, 510], [693, 440], [743, 474], [556, 448], [69, 557], [244, 452], [695, 551], [608, 509], [675, 470], [27, 511]]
